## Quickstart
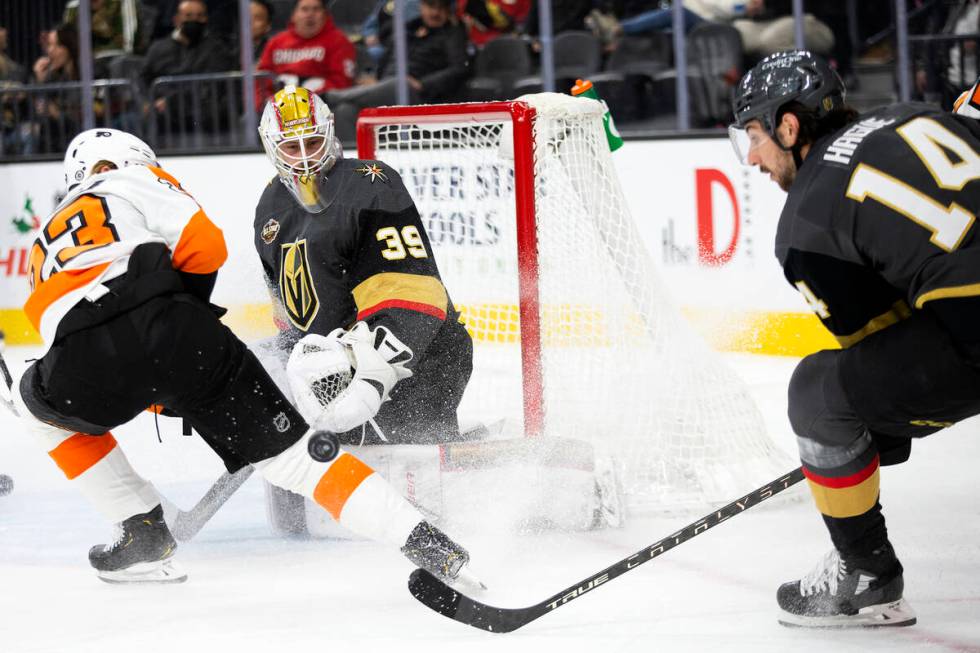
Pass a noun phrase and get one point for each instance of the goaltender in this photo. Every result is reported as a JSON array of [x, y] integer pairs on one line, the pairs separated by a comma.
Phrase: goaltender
[[370, 345]]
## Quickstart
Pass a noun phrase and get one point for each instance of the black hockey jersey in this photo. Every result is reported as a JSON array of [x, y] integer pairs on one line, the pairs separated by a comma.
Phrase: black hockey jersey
[[366, 257], [880, 221]]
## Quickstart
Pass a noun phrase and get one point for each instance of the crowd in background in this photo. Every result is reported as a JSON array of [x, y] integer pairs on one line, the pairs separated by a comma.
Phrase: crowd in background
[[352, 64]]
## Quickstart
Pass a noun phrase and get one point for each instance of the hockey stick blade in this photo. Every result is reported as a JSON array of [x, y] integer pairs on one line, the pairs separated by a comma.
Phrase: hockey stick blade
[[438, 596]]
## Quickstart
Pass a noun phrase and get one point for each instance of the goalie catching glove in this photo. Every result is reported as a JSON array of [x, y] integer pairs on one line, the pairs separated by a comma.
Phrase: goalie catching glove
[[340, 380]]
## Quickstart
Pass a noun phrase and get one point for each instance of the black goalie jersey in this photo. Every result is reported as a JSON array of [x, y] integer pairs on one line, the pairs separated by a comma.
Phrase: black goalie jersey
[[367, 257], [881, 221]]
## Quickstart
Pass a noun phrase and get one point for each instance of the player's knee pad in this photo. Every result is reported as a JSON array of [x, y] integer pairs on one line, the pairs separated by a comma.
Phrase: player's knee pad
[[829, 432]]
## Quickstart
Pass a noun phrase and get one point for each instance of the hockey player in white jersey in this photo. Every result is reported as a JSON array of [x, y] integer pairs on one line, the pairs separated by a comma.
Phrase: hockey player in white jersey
[[121, 276]]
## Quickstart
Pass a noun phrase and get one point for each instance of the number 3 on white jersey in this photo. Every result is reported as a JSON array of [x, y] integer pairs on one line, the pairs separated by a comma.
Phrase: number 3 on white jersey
[[927, 138]]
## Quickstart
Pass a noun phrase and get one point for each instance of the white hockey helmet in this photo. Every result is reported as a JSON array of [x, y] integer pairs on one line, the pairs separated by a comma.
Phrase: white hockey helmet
[[103, 144], [298, 136]]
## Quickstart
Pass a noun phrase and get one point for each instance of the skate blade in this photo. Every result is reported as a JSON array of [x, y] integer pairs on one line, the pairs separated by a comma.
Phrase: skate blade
[[467, 583], [161, 572], [883, 615]]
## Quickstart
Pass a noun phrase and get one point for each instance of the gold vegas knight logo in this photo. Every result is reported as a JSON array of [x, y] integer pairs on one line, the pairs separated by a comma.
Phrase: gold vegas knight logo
[[296, 285]]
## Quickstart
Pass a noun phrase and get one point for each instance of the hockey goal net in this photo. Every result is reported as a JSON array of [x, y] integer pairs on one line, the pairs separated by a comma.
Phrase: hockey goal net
[[574, 334]]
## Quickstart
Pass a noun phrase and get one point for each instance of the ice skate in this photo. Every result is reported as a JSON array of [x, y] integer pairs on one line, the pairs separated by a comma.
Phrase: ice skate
[[432, 550], [861, 593], [141, 552]]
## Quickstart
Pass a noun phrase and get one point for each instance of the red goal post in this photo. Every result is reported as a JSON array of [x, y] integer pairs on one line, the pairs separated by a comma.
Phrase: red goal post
[[521, 116]]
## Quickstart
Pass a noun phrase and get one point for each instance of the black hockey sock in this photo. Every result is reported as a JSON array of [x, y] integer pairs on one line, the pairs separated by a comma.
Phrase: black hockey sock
[[859, 536]]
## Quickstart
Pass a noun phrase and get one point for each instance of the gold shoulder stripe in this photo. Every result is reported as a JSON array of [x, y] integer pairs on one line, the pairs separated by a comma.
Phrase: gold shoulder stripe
[[968, 290], [387, 286]]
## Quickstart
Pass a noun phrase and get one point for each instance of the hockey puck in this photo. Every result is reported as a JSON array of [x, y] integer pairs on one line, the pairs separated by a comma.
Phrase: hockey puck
[[323, 446], [6, 485]]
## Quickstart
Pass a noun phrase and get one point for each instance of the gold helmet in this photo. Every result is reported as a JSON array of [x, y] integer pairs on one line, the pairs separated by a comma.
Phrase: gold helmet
[[298, 136]]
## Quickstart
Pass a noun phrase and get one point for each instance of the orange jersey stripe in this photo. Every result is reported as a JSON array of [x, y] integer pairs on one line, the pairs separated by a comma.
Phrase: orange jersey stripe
[[163, 174], [339, 482], [57, 286], [201, 249], [80, 452], [411, 290]]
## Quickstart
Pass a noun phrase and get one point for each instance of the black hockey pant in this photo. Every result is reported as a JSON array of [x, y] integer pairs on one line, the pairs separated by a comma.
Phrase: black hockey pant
[[173, 351]]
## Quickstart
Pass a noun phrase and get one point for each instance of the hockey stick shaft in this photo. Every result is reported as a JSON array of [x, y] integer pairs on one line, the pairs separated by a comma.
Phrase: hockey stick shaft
[[188, 523], [9, 382], [438, 596]]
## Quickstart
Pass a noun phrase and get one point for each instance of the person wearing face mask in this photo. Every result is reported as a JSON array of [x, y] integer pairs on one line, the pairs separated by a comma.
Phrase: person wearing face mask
[[189, 49]]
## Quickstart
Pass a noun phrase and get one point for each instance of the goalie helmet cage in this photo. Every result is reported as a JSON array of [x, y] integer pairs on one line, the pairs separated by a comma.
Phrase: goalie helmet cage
[[573, 331]]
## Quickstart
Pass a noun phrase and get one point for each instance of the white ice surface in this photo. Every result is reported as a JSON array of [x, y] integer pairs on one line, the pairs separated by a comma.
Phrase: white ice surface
[[251, 591]]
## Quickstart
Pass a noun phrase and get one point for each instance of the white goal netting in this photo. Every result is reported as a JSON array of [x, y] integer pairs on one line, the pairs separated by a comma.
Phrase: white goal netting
[[620, 367]]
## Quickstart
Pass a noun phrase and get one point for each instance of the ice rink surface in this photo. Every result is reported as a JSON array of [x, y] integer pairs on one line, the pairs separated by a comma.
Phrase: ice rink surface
[[252, 591]]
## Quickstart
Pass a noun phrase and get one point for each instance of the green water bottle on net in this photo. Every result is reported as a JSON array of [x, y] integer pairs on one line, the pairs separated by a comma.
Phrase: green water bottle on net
[[584, 88]]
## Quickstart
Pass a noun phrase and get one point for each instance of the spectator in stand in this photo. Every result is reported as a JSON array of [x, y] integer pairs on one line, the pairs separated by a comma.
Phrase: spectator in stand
[[312, 52], [565, 15], [58, 113], [963, 65], [10, 70], [437, 65], [377, 28], [485, 20], [941, 68], [261, 14], [13, 131], [188, 50], [115, 25], [639, 17], [59, 63], [770, 27]]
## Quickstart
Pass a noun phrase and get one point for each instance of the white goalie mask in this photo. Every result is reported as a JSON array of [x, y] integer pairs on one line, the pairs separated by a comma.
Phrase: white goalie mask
[[298, 136], [94, 146]]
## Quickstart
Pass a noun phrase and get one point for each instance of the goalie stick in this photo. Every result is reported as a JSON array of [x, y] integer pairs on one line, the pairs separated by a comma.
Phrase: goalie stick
[[438, 596], [184, 525]]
